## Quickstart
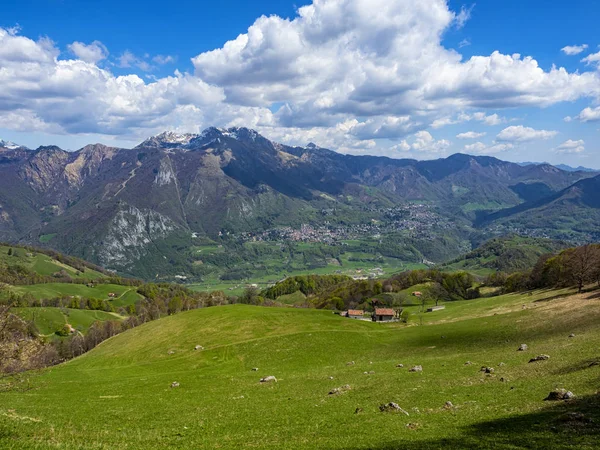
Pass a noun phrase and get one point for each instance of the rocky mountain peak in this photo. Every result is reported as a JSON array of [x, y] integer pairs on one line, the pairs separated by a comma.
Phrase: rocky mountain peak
[[168, 139], [9, 145]]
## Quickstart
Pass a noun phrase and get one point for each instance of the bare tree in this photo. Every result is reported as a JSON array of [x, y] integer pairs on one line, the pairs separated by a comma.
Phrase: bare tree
[[581, 264]]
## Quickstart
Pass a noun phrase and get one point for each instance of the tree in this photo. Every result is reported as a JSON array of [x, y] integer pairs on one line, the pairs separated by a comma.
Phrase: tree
[[175, 305], [250, 296], [581, 263]]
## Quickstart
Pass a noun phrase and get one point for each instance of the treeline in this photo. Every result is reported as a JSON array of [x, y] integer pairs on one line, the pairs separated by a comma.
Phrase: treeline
[[29, 301], [573, 267], [307, 284], [342, 292], [442, 286]]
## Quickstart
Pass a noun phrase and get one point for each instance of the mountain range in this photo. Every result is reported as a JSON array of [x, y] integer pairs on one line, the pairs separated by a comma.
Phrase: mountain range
[[562, 167], [122, 208]]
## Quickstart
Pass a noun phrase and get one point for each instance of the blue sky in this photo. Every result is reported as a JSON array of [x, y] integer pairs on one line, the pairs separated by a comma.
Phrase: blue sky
[[397, 78]]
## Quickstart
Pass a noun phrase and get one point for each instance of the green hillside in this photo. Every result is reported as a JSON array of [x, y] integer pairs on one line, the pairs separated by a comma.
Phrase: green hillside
[[124, 295], [50, 320], [505, 254], [43, 264], [119, 395], [28, 265]]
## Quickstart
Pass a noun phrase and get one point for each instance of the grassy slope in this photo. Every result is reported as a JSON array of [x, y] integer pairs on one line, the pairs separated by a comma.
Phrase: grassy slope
[[43, 264], [508, 254], [118, 395], [50, 320], [125, 295]]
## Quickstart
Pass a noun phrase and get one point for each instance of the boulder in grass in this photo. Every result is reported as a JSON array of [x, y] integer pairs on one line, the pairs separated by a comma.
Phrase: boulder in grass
[[539, 358], [392, 407], [416, 369], [198, 347], [522, 348], [269, 379], [559, 394], [340, 390], [572, 335], [351, 363], [400, 365]]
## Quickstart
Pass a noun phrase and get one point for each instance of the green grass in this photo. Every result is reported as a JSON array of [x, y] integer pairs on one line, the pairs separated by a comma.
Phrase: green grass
[[125, 295], [297, 298], [49, 320], [119, 395], [43, 264]]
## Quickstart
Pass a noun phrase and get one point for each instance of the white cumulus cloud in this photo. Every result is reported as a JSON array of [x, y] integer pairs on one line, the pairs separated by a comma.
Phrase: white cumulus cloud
[[594, 58], [341, 73], [470, 135], [92, 53], [519, 133], [479, 148], [574, 49], [589, 114], [571, 146]]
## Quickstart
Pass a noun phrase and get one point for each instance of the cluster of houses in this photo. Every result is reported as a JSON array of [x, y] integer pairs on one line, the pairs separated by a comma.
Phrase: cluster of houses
[[378, 315]]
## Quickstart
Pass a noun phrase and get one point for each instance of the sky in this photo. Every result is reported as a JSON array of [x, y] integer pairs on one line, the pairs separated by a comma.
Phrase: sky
[[516, 80]]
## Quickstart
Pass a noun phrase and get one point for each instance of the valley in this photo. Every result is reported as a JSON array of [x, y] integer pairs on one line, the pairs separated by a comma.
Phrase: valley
[[160, 210]]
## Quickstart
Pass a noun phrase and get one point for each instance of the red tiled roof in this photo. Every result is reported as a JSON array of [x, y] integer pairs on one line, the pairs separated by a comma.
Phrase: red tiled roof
[[355, 312], [384, 312]]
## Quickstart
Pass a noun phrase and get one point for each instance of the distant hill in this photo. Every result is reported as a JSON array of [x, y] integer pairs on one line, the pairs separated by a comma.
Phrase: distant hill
[[570, 213], [505, 254], [564, 167], [575, 169]]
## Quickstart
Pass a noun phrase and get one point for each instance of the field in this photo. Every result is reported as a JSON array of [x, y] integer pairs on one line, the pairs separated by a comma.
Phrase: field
[[50, 320], [125, 295], [43, 264], [119, 395], [273, 269]]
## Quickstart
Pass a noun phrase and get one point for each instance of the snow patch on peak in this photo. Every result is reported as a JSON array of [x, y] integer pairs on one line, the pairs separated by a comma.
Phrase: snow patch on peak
[[243, 133], [9, 145], [169, 139]]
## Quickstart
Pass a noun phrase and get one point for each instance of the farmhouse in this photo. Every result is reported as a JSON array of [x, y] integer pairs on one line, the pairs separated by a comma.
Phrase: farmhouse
[[355, 314], [383, 315]]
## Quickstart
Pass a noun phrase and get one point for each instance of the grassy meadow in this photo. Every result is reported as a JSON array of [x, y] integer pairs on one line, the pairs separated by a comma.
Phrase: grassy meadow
[[49, 320], [119, 395], [42, 264]]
